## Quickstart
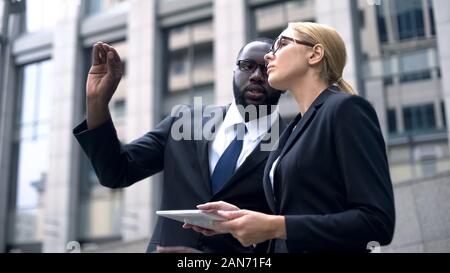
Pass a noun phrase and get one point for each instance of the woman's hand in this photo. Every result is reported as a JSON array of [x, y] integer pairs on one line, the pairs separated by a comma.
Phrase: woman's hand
[[250, 227], [212, 207], [204, 231], [216, 206]]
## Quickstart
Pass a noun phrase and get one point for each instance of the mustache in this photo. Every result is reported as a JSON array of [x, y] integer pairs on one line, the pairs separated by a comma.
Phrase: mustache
[[255, 87]]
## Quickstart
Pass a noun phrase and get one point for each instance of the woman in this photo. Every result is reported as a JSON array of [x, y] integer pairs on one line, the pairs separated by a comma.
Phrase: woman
[[328, 183]]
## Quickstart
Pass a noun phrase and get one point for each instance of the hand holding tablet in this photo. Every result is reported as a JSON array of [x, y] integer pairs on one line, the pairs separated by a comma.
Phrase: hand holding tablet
[[194, 217]]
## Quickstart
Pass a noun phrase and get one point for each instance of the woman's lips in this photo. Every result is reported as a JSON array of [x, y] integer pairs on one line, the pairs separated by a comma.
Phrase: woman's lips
[[270, 69]]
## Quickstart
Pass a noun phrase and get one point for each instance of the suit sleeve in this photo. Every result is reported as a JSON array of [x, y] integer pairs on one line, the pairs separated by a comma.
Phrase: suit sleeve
[[120, 165], [363, 164]]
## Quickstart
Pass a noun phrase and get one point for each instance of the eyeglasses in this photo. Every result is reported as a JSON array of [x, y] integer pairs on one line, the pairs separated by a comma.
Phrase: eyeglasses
[[250, 66], [280, 42]]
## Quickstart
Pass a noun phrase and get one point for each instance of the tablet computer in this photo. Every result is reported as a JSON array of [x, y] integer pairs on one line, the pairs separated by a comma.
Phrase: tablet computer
[[193, 217]]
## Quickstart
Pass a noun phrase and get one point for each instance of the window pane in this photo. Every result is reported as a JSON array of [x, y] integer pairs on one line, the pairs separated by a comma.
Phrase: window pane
[[415, 61], [46, 89], [30, 83], [431, 12], [299, 10], [2, 9], [33, 152], [415, 66], [271, 20], [410, 19], [430, 118], [41, 14], [270, 17], [94, 6], [407, 116], [97, 6], [444, 114], [100, 209], [190, 52], [381, 22], [203, 65], [392, 121], [419, 118]]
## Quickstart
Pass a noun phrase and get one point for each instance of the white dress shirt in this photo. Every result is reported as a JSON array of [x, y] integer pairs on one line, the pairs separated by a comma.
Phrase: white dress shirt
[[272, 171], [227, 133], [275, 164]]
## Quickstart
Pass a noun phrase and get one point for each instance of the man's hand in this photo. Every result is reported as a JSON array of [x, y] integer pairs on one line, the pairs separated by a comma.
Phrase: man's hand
[[104, 77], [212, 208], [105, 73]]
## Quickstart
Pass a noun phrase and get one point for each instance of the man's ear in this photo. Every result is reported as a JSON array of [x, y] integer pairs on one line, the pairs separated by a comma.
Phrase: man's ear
[[316, 54]]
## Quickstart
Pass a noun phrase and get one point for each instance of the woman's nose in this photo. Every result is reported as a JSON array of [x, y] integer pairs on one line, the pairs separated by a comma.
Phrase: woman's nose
[[268, 57]]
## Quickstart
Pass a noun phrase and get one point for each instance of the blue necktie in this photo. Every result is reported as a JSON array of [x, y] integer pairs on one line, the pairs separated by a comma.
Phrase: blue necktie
[[226, 165]]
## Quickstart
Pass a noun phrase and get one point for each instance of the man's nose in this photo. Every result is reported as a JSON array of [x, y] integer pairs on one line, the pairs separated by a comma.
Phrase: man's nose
[[257, 75]]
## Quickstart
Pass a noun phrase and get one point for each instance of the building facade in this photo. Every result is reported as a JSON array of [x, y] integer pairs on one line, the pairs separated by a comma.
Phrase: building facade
[[174, 51]]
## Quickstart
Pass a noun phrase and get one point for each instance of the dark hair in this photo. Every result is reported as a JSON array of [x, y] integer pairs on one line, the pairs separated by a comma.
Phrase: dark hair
[[260, 39]]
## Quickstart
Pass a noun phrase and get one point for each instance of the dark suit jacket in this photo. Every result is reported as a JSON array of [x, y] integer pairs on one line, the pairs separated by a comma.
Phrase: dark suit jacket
[[332, 182], [186, 182]]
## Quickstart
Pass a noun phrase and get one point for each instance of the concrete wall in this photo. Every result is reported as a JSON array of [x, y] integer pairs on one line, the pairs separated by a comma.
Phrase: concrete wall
[[423, 218], [230, 36]]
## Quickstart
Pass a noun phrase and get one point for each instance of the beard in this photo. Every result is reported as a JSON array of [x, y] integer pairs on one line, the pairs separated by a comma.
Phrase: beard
[[270, 98]]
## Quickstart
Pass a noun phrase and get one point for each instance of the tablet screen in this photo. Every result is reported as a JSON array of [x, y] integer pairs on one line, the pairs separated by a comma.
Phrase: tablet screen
[[193, 217]]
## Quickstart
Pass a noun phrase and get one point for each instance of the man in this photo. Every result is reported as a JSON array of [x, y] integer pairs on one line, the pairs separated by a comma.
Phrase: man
[[197, 171]]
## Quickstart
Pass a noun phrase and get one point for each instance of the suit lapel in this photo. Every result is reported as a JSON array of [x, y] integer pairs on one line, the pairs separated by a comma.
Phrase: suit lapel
[[251, 162], [305, 120], [268, 189], [298, 130], [203, 147]]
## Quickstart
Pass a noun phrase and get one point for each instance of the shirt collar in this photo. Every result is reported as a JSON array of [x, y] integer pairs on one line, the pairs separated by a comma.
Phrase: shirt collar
[[255, 128]]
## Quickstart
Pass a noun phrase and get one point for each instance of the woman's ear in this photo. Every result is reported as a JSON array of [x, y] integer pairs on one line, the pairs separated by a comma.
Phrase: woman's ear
[[316, 54]]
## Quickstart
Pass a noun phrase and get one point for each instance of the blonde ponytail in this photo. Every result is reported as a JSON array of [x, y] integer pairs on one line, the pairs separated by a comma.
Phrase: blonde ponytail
[[346, 87]]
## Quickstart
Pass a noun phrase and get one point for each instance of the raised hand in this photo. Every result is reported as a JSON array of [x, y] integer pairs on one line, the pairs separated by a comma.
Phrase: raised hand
[[105, 73], [104, 77]]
